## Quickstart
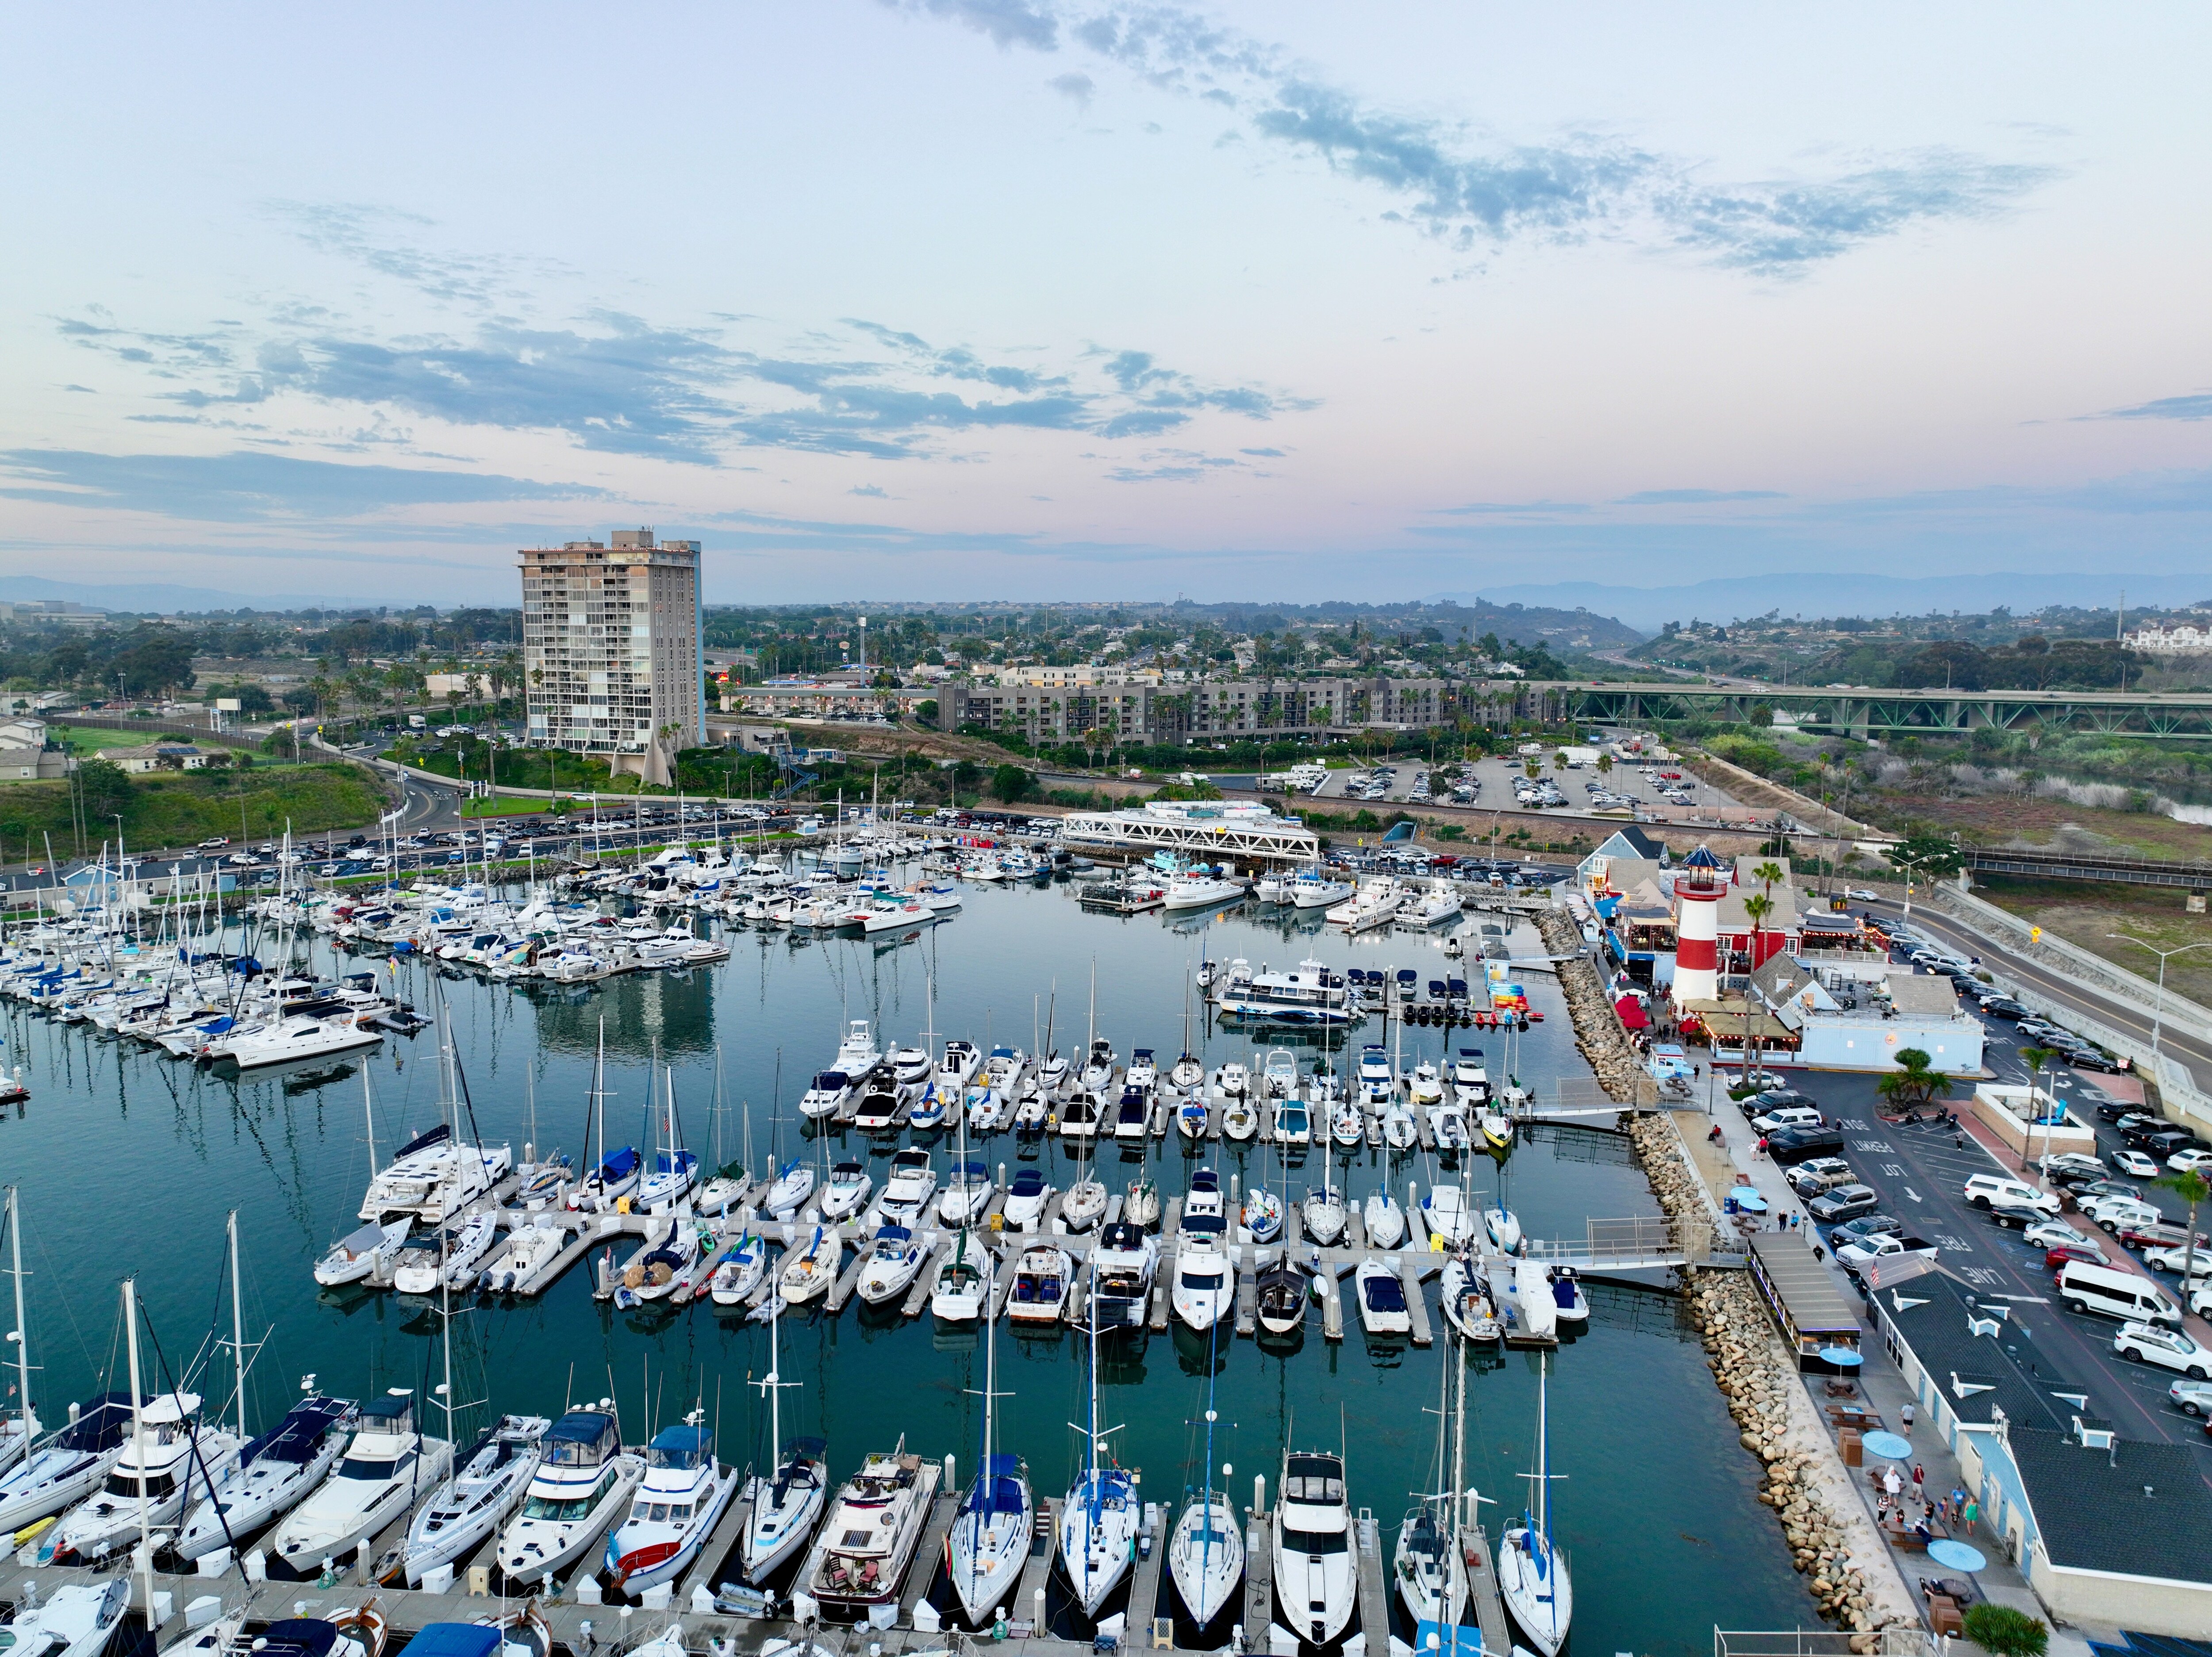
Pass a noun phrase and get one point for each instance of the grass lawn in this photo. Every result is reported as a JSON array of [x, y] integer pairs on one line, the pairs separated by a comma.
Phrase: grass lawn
[[179, 808], [2051, 824], [2083, 913]]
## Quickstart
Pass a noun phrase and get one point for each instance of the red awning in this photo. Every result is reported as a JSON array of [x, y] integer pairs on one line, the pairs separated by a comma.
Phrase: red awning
[[1631, 1013]]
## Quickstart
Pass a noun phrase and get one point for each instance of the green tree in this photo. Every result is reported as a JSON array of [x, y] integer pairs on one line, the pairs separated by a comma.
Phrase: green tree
[[104, 786], [1604, 764], [1915, 1080], [2004, 1632], [1932, 856], [1531, 769], [1011, 783], [925, 711], [2191, 1187]]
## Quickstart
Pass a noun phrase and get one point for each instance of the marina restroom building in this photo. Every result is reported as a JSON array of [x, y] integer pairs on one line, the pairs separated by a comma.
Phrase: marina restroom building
[[610, 636]]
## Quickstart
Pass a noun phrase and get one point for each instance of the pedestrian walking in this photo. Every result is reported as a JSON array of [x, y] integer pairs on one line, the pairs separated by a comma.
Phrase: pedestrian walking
[[1973, 1513], [1905, 1415], [1762, 1144], [1894, 1484]]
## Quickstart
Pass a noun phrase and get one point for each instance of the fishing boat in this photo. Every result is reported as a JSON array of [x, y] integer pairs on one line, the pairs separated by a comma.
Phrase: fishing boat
[[1099, 1519], [678, 1503], [1322, 1215], [1532, 1574], [1045, 1276], [856, 1053], [1381, 1294], [997, 1516], [894, 1261], [1122, 1263], [274, 1472], [1468, 1304], [1026, 1199], [810, 1269], [871, 1536], [1281, 1300], [846, 1192], [1316, 1578], [362, 1251], [1383, 1220], [389, 1466], [489, 1480], [910, 1187], [583, 1479], [963, 1283], [783, 1507]]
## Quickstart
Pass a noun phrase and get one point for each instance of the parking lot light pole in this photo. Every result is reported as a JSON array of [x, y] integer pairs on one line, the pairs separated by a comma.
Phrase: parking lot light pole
[[2158, 1007]]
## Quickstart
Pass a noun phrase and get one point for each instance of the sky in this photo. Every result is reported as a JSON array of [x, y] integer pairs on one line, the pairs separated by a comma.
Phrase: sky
[[1008, 299]]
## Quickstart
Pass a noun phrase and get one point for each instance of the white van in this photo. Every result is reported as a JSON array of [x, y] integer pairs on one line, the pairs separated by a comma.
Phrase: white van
[[1983, 1189], [2114, 1294]]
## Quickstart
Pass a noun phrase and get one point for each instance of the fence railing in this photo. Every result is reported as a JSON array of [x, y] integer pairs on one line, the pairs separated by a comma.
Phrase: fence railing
[[1822, 1642]]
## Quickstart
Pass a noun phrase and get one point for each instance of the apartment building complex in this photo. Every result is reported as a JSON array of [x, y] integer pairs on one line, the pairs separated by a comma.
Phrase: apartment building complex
[[1215, 709], [610, 637]]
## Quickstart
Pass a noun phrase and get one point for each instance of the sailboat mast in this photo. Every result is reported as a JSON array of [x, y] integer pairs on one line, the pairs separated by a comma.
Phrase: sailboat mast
[[445, 1315], [774, 1382], [138, 1441], [22, 1335], [368, 1111], [599, 1089], [237, 1327]]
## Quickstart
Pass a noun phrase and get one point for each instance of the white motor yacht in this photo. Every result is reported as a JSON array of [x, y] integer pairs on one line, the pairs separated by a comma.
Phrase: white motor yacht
[[78, 1619], [1470, 1080], [449, 1256], [846, 1192], [583, 1480], [1122, 1262], [1316, 1578], [963, 1283], [1381, 1294], [827, 1096], [293, 1039], [1425, 1087], [1026, 1199], [489, 1480], [1199, 887], [362, 1251], [857, 1054], [433, 1177], [387, 1468], [895, 1260], [174, 1462], [1044, 1277], [274, 1471], [871, 1536], [530, 1249], [910, 1187], [676, 1507], [1205, 1286]]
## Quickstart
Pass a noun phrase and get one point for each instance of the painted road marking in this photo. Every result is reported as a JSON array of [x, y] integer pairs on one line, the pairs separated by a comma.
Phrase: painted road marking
[[1910, 1192]]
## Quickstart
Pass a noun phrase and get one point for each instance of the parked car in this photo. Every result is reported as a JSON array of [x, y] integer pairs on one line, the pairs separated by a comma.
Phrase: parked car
[[1756, 1079], [2082, 1248], [1851, 1256], [1788, 1116], [2057, 1234], [1867, 1225], [2071, 1159], [2135, 1162], [2003, 1006], [1844, 1203], [2113, 1212], [2189, 1161], [1798, 1144], [1981, 1190], [2169, 1257], [2157, 1234], [2085, 1194], [2192, 1398], [2169, 1348], [2013, 1212], [1811, 1178]]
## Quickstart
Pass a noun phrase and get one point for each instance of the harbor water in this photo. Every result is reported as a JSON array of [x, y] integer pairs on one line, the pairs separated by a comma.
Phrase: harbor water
[[128, 1162]]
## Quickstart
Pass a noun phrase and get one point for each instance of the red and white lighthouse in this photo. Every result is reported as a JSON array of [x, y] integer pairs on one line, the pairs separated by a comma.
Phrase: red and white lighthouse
[[1697, 891]]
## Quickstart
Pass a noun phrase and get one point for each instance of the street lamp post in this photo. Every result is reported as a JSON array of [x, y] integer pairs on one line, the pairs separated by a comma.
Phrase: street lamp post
[[2158, 1007]]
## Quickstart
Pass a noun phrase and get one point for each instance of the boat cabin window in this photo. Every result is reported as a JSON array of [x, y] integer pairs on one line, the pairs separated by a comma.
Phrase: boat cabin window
[[372, 1467], [1195, 1280], [158, 1486], [1314, 1542]]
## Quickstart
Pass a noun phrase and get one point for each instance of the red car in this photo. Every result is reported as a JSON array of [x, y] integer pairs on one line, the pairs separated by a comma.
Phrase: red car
[[2055, 1260]]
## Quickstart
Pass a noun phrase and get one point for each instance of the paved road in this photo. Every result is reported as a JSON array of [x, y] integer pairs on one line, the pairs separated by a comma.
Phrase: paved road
[[2056, 985]]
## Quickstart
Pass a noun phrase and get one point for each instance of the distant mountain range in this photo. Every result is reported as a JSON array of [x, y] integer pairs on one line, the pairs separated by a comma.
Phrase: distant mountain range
[[155, 596], [1733, 599]]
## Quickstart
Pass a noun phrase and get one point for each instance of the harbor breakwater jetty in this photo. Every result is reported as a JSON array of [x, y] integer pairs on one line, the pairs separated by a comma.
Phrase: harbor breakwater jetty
[[1852, 1577]]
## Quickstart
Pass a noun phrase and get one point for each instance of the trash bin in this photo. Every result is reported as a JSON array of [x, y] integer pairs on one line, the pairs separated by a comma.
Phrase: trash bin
[[1854, 1452]]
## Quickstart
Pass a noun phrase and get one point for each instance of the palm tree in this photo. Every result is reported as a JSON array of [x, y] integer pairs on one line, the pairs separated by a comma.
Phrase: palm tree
[[2191, 1187], [2036, 1059], [1915, 1080], [1756, 908]]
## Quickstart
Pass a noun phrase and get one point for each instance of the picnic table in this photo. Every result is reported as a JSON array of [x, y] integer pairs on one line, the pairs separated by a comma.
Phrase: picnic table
[[1855, 1415], [1908, 1537]]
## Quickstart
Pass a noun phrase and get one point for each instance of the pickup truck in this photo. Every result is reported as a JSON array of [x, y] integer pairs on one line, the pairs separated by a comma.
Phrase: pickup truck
[[1797, 1144], [1853, 1255]]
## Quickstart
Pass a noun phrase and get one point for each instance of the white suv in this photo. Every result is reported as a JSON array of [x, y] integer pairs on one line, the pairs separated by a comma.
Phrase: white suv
[[2148, 1343], [1984, 1189]]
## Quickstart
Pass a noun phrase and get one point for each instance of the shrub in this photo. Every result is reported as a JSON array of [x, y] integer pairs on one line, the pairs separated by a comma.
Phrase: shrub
[[2004, 1632]]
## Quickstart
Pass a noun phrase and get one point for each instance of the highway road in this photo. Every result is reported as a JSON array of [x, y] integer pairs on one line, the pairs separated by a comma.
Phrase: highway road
[[2056, 985]]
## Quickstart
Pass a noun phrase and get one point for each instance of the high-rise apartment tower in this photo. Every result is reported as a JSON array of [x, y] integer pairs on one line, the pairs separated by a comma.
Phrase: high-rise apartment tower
[[610, 650]]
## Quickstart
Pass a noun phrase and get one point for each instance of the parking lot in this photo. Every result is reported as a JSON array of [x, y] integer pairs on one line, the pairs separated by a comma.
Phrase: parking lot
[[1581, 788], [1919, 1173]]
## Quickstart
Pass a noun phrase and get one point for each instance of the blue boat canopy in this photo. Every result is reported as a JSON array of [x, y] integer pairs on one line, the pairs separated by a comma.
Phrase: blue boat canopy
[[456, 1640], [298, 1637], [299, 1437], [997, 1488], [620, 1165], [1028, 1182], [436, 1136], [680, 1447]]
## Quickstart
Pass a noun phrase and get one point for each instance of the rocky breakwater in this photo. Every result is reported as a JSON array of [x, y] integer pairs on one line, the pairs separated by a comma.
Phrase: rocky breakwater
[[1849, 1570], [1598, 1034]]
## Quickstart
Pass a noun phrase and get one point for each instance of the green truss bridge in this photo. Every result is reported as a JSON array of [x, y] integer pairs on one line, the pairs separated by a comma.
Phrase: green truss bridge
[[1855, 712]]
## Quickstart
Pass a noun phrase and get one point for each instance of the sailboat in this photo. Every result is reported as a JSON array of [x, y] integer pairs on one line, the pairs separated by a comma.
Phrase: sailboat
[[990, 1533], [1098, 1523], [1205, 1556], [1431, 1569], [783, 1508], [617, 1174], [1532, 1574], [21, 1431]]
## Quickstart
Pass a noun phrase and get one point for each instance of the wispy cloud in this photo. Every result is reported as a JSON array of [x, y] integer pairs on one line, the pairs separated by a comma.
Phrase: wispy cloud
[[1513, 508], [1450, 177], [245, 487], [1694, 497], [618, 383], [2198, 405]]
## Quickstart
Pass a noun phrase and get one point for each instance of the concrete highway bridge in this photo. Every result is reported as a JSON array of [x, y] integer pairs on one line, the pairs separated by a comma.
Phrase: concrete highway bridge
[[1859, 712]]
